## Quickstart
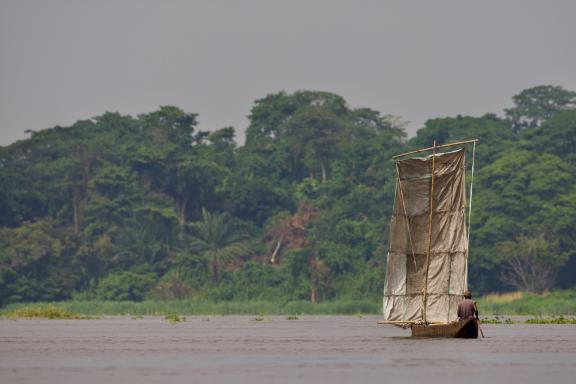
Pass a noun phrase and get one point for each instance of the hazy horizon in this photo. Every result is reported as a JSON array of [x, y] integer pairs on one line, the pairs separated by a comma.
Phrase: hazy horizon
[[63, 60]]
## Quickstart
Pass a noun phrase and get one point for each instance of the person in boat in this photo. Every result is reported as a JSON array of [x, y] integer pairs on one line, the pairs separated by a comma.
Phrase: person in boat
[[467, 308]]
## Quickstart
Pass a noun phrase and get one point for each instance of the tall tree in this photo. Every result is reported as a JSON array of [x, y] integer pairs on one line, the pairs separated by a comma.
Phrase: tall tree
[[315, 135], [535, 105], [270, 114], [532, 263], [218, 239]]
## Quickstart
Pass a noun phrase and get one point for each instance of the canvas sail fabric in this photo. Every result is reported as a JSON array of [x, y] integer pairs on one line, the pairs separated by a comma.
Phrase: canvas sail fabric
[[409, 237]]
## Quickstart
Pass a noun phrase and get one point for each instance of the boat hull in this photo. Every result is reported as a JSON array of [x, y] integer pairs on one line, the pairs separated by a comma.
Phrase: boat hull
[[467, 329]]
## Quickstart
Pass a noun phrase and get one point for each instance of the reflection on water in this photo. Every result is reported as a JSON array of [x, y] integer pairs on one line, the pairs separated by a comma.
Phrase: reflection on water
[[237, 349]]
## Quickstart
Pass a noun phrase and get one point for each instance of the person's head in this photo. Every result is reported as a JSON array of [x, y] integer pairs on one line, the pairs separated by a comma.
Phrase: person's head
[[467, 295]]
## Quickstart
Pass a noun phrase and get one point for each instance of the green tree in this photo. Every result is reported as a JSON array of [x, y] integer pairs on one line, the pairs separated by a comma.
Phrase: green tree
[[535, 105], [556, 136], [493, 132], [314, 135], [37, 263], [269, 115], [169, 125], [218, 240], [532, 263], [515, 197], [305, 263], [126, 285]]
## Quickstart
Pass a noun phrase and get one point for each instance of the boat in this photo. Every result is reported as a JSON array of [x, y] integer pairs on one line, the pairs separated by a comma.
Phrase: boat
[[427, 261], [466, 329]]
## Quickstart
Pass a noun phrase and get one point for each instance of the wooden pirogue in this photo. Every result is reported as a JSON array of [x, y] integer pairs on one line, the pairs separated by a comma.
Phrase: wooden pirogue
[[427, 267], [467, 329]]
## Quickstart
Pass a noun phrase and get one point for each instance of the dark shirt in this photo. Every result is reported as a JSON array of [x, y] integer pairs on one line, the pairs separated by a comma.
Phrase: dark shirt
[[467, 309]]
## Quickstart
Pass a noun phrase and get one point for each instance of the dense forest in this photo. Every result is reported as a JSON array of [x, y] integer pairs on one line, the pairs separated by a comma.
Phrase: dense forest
[[126, 208]]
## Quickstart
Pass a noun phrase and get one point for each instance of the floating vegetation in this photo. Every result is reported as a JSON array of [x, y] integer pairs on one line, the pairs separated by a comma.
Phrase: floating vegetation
[[173, 318], [498, 320], [551, 320], [50, 311], [534, 320], [137, 317], [292, 318]]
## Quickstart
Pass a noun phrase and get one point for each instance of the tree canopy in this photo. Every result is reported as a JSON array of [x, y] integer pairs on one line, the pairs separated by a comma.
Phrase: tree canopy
[[122, 207]]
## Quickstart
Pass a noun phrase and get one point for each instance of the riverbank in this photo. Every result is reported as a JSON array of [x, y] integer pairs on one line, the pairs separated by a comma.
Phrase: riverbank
[[202, 308], [552, 304]]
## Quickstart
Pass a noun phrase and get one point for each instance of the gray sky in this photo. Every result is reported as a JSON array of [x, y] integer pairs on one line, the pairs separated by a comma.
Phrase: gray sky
[[64, 60]]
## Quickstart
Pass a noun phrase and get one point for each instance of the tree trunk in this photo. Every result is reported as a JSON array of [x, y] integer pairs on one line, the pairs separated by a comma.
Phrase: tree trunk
[[216, 267], [276, 249], [78, 207], [182, 211], [323, 169], [80, 191], [313, 295]]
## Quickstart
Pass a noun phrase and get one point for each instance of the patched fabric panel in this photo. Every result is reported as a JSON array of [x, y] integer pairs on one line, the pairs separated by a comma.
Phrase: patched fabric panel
[[410, 239]]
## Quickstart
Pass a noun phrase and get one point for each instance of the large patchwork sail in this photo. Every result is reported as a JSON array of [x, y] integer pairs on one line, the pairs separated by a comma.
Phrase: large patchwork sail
[[426, 274]]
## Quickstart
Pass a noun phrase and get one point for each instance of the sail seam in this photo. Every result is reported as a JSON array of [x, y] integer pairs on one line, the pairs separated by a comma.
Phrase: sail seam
[[406, 217], [470, 203], [394, 213], [409, 234]]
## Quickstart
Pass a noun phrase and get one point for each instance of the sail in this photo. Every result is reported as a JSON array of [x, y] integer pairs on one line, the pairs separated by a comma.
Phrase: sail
[[409, 240]]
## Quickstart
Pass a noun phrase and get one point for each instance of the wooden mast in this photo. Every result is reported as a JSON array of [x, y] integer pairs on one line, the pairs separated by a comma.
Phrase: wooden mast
[[430, 209]]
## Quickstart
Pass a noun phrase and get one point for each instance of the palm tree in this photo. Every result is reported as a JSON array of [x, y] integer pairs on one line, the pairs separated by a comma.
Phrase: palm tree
[[218, 240]]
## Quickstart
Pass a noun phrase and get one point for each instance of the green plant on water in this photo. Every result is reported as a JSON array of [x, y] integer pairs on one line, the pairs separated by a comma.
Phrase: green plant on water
[[259, 318], [490, 321], [173, 318], [533, 320], [137, 317], [292, 318], [50, 311], [498, 320], [551, 320]]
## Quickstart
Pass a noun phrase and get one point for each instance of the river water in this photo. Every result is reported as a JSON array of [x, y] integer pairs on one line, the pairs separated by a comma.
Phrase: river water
[[240, 349]]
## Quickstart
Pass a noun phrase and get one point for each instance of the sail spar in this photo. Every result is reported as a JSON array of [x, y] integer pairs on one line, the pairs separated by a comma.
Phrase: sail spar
[[426, 275]]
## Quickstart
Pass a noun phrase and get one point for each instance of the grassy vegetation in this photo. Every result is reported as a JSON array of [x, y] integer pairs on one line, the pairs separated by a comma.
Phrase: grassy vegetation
[[547, 308], [196, 307], [555, 303]]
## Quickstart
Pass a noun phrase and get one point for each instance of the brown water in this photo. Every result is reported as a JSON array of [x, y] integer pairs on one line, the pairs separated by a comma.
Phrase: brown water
[[238, 349]]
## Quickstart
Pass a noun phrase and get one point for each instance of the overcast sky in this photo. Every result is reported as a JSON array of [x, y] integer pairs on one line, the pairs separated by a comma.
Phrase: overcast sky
[[64, 60]]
